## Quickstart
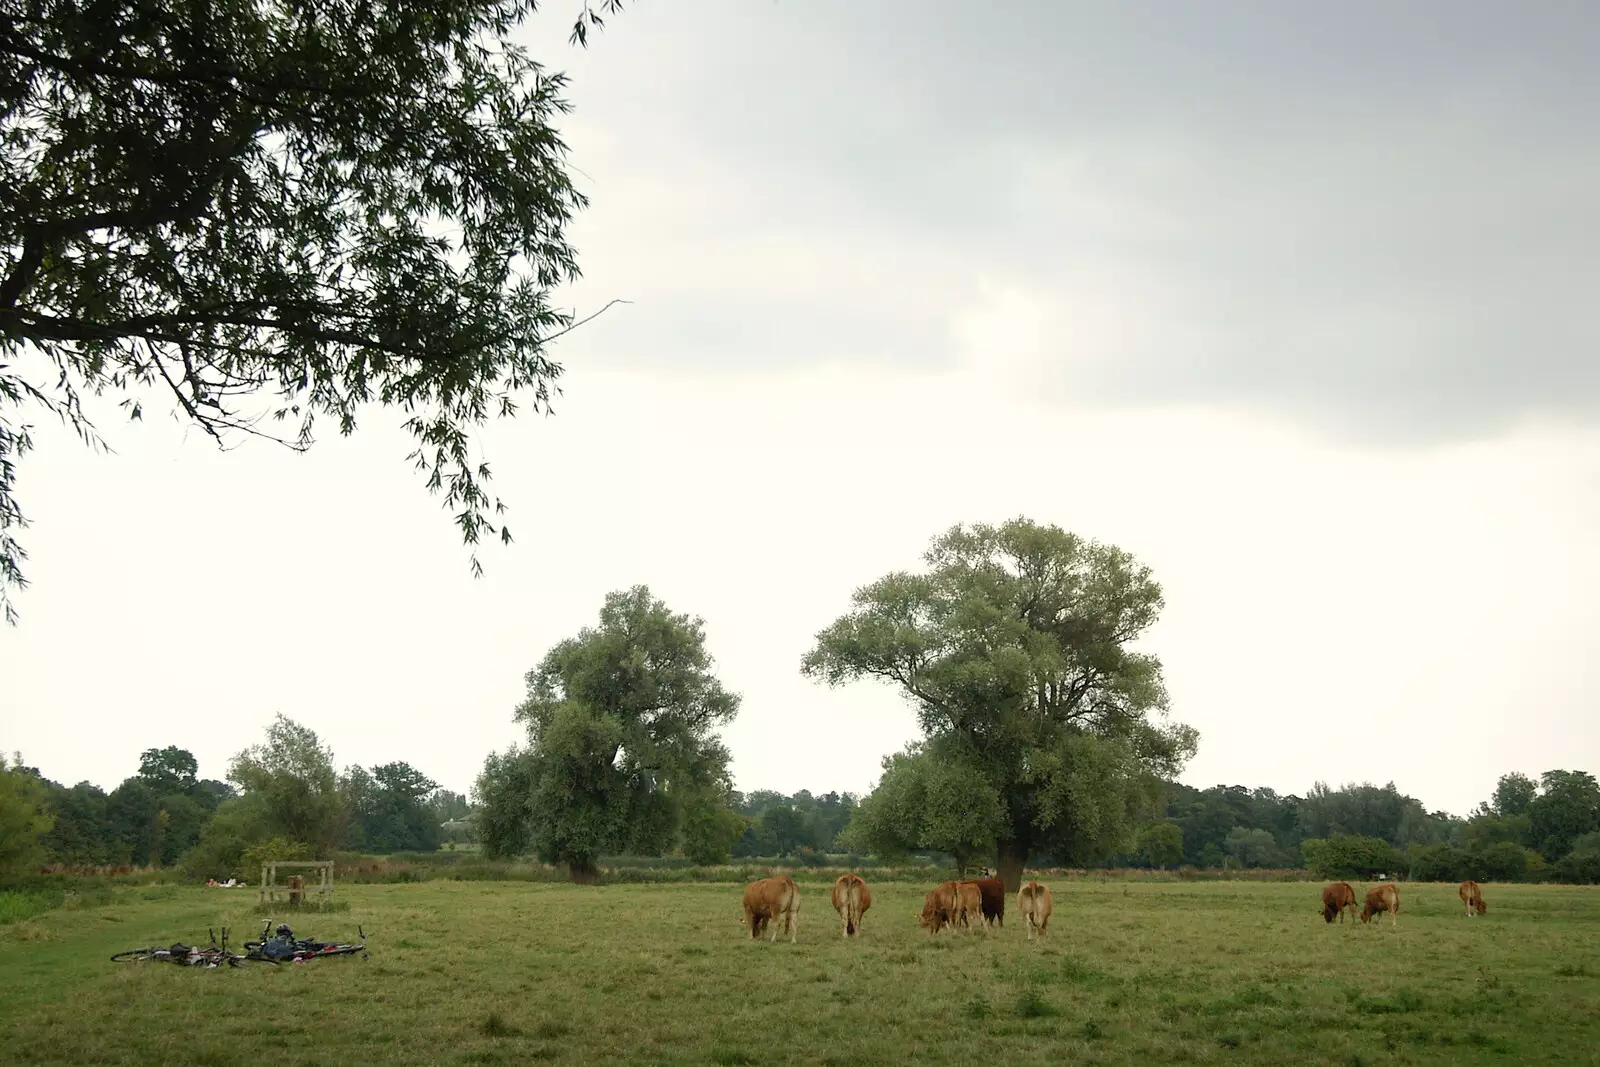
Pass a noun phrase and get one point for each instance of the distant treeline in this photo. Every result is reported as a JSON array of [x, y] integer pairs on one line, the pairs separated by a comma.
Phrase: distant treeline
[[1544, 829], [284, 800], [1535, 830]]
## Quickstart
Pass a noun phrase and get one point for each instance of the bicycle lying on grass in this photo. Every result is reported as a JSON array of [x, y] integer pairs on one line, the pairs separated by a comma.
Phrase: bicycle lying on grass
[[184, 955], [284, 947]]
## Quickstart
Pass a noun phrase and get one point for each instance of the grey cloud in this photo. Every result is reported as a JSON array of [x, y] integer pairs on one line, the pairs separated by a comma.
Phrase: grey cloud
[[1377, 216]]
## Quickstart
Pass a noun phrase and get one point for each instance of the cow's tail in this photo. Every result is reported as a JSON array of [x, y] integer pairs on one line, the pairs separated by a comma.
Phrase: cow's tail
[[852, 908]]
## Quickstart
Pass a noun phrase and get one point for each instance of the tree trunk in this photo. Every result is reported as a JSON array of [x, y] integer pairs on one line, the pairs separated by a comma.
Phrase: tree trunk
[[583, 872], [1010, 857]]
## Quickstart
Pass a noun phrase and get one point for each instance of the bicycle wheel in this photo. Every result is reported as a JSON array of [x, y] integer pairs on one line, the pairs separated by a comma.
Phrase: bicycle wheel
[[134, 955]]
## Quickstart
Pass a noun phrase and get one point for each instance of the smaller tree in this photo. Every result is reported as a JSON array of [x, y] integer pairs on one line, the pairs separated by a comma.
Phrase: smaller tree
[[710, 832], [1581, 866], [169, 770], [783, 827], [1567, 807], [448, 806], [293, 775], [921, 804], [1252, 848], [238, 824], [1160, 844], [81, 835], [23, 818], [132, 814], [1513, 793], [389, 809], [501, 820]]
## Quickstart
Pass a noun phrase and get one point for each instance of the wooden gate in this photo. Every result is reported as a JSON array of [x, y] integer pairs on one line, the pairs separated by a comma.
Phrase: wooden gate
[[321, 886]]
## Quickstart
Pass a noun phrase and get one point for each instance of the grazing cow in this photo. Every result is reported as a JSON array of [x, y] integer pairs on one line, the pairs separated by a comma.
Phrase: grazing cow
[[1033, 900], [1336, 898], [1382, 898], [993, 891], [772, 898], [851, 899], [938, 907], [968, 905], [1472, 897]]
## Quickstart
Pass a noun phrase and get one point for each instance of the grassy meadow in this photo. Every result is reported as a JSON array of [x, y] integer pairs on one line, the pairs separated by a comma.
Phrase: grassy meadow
[[510, 972]]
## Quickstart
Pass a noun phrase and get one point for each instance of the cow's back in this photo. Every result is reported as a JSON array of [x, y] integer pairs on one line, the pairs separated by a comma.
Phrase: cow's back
[[768, 898]]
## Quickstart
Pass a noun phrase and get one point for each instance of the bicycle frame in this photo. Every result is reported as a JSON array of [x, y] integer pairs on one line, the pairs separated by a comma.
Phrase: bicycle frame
[[210, 957], [304, 949]]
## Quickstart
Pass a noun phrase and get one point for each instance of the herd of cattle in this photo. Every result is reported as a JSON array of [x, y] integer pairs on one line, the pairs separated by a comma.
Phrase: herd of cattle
[[1339, 897], [775, 902]]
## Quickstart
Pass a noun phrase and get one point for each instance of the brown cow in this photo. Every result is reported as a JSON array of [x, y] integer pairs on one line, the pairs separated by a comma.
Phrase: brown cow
[[1472, 897], [1382, 898], [1033, 900], [767, 899], [1336, 898], [994, 899], [851, 899], [938, 908], [968, 905]]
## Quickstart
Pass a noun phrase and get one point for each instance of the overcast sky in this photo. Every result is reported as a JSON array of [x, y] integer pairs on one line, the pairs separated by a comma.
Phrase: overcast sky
[[1293, 301]]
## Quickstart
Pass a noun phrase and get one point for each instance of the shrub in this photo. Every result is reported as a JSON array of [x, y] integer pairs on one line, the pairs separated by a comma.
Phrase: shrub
[[1581, 866], [16, 905], [237, 824], [1347, 856], [1435, 863], [1504, 861], [274, 848]]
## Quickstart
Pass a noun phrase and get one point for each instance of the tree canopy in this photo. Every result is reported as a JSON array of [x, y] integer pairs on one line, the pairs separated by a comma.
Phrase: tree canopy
[[620, 741], [1015, 647], [290, 778], [390, 809], [24, 818], [265, 213]]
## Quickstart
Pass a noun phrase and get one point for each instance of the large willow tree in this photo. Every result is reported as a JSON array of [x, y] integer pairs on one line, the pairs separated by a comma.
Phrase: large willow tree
[[1016, 647]]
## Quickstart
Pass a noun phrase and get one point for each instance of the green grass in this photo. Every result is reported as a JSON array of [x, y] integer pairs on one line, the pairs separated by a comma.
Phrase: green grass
[[17, 905], [511, 972]]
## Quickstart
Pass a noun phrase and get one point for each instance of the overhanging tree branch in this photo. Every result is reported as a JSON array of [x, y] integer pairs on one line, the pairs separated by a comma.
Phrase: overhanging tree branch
[[327, 203]]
